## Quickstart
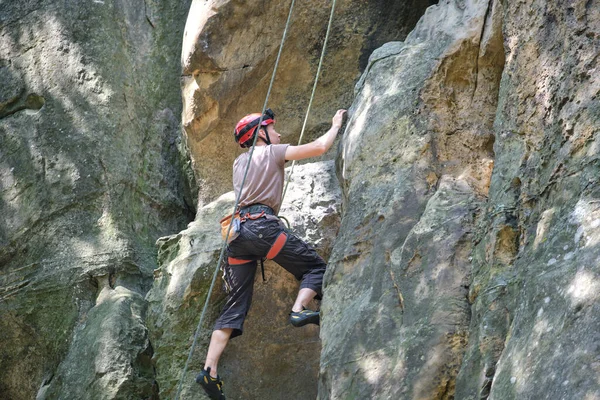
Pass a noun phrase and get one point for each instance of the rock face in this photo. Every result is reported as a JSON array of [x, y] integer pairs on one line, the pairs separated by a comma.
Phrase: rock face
[[415, 167], [90, 175], [536, 276], [463, 239], [463, 291], [228, 55], [271, 359]]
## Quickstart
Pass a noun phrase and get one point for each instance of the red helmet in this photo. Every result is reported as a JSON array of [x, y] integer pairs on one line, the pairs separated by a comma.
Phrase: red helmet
[[247, 127]]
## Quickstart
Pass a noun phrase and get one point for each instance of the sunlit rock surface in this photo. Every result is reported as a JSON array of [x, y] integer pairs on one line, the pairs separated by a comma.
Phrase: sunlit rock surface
[[271, 359], [415, 166], [90, 176], [229, 51], [463, 246], [536, 277]]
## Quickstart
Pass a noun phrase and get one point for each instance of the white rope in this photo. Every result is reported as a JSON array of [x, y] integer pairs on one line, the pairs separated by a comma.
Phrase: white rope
[[311, 96], [212, 285]]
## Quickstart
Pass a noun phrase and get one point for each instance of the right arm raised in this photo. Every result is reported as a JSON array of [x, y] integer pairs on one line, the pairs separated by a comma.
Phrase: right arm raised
[[320, 145]]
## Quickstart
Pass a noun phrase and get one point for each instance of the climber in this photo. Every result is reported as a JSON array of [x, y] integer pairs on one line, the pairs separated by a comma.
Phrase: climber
[[262, 235]]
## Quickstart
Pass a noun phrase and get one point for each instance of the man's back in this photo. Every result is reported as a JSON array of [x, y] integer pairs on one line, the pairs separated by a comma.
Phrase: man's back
[[264, 182]]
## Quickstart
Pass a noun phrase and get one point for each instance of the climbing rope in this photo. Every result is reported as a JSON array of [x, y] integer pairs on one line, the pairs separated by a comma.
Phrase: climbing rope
[[312, 95], [214, 278], [237, 201]]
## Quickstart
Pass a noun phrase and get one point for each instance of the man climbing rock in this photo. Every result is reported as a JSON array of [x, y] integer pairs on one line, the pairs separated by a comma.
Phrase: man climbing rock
[[261, 235]]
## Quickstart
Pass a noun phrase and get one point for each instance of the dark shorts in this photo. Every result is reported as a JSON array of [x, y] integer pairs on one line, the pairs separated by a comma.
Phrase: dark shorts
[[255, 239]]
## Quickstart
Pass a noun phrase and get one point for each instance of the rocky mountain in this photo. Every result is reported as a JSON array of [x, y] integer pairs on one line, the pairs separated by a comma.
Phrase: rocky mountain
[[458, 210]]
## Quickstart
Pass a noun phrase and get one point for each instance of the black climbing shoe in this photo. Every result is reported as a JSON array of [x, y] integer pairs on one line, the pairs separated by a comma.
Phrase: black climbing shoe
[[304, 317], [212, 386]]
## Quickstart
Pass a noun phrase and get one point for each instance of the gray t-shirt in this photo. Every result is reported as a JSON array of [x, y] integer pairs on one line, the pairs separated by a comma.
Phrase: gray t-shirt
[[264, 183]]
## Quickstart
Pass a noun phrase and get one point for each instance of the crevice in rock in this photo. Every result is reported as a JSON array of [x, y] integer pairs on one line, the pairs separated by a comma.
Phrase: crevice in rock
[[393, 280], [486, 387], [33, 102], [112, 279], [48, 378], [41, 394], [145, 367], [148, 17], [13, 289], [96, 285], [404, 15], [150, 22], [218, 70], [360, 84], [477, 55]]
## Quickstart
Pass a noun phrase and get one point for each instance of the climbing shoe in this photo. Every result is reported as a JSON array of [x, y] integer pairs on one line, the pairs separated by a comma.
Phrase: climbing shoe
[[212, 386], [304, 317]]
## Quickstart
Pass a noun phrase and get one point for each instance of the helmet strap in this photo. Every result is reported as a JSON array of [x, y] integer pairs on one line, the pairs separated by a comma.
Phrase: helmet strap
[[268, 139]]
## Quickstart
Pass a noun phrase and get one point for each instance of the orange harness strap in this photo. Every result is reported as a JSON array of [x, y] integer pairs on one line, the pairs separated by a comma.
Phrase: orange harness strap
[[273, 251], [277, 246], [237, 261], [252, 216]]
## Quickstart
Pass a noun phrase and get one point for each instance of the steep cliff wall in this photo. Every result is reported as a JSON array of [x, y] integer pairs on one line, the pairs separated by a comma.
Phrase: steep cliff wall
[[228, 55], [415, 167], [465, 292], [90, 176], [536, 276], [462, 240]]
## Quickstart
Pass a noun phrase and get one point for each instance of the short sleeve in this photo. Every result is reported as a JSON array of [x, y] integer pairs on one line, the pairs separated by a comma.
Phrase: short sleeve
[[278, 151]]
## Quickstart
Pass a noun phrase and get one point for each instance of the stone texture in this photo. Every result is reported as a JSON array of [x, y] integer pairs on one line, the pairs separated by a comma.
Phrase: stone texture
[[415, 166], [466, 262], [271, 359], [536, 277], [110, 354], [228, 56], [91, 173]]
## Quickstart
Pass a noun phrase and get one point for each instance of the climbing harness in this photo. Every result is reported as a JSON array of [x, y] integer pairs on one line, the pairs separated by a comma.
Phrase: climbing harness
[[237, 201], [273, 251], [251, 213], [280, 241]]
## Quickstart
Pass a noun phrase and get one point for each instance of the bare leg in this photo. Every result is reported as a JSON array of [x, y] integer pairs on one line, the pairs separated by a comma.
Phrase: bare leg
[[305, 295], [218, 341]]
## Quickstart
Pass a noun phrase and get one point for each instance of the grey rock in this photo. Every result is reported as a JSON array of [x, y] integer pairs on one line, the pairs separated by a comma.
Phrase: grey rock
[[91, 162], [535, 285], [463, 245], [415, 170]]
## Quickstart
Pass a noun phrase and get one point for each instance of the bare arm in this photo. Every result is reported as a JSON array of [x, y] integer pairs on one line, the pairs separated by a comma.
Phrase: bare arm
[[320, 145]]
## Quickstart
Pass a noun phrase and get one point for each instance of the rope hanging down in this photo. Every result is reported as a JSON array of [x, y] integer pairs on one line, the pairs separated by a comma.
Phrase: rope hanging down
[[237, 201], [214, 278], [312, 95]]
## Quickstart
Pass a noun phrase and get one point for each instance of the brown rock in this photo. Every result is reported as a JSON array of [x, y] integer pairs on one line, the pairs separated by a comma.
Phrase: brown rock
[[228, 56]]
